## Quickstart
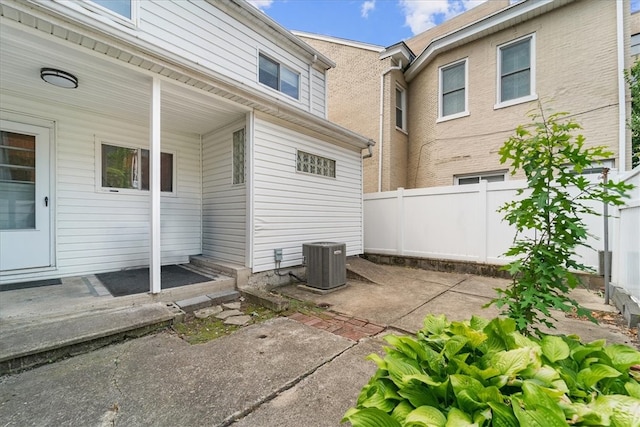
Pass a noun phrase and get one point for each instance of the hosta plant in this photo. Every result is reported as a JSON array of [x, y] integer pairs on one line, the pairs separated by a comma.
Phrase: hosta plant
[[486, 373]]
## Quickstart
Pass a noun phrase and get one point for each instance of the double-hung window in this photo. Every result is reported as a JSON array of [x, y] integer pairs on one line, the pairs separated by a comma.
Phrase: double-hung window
[[453, 90], [278, 77], [127, 168], [401, 109], [516, 71]]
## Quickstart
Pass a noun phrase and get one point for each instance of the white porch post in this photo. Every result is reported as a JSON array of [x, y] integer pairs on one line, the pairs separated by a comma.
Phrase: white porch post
[[154, 189]]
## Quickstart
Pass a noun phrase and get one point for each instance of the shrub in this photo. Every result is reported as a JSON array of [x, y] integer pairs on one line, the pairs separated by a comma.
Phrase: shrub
[[550, 219], [485, 373]]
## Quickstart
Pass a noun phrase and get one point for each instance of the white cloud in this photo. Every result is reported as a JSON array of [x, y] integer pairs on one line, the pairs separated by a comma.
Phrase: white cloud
[[420, 15], [261, 4], [367, 6]]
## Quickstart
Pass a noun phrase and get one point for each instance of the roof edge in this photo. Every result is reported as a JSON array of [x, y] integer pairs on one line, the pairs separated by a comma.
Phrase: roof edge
[[265, 19], [339, 40], [486, 24]]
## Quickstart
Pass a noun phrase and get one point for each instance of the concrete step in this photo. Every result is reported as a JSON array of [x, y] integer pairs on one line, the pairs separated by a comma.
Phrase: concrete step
[[196, 303], [27, 344], [238, 272]]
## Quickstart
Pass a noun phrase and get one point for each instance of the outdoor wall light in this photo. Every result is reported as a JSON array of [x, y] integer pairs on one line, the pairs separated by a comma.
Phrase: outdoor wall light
[[59, 78]]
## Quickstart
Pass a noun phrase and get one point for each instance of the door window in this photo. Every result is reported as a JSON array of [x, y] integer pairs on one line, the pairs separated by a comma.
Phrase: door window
[[17, 181]]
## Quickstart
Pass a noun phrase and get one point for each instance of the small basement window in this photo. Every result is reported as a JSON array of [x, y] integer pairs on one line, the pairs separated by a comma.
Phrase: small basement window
[[476, 178], [316, 165], [127, 168]]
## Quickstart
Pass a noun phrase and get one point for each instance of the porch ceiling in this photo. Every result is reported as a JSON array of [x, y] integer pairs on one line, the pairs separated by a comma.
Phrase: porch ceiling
[[106, 87]]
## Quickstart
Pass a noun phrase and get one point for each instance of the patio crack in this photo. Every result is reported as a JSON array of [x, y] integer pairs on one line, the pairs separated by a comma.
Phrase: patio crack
[[287, 386], [422, 305], [110, 417]]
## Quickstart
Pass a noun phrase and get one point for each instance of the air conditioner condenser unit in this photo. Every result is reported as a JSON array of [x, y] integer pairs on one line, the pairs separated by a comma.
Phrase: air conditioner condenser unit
[[326, 264]]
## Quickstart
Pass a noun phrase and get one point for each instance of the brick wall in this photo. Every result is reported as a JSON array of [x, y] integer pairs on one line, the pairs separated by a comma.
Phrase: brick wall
[[418, 42], [575, 72], [354, 102]]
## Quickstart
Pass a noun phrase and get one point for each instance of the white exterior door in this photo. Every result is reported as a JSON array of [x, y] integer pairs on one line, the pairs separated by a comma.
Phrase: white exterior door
[[25, 203]]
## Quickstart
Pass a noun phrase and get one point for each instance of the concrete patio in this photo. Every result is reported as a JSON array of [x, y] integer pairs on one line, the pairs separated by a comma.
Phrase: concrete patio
[[283, 372]]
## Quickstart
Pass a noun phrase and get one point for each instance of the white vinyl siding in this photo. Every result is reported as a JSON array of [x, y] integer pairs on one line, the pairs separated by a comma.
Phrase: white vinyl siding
[[318, 88], [292, 208], [223, 204], [98, 231], [204, 34]]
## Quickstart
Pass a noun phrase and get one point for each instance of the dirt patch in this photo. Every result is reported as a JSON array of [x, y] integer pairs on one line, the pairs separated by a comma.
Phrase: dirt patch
[[198, 331], [613, 319]]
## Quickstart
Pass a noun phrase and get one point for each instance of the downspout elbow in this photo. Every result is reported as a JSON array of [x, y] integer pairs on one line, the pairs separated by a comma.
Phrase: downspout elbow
[[370, 145]]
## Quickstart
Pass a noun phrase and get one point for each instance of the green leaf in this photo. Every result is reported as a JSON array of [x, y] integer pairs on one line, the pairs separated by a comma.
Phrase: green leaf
[[625, 410], [622, 356], [369, 417], [464, 382], [419, 394], [435, 325], [454, 345], [535, 396], [596, 372], [554, 348], [378, 360], [538, 417], [457, 418], [376, 399], [633, 388], [512, 362], [502, 415], [426, 416], [401, 411], [400, 367]]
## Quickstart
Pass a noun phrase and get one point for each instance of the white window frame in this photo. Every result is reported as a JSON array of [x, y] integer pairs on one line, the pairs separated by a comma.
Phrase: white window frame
[[441, 70], [635, 45], [533, 95], [244, 158], [481, 176], [317, 156], [117, 143], [88, 7], [402, 108], [280, 66], [594, 168]]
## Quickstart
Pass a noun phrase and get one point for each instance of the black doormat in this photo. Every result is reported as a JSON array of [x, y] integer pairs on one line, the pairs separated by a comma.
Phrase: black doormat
[[129, 282], [27, 285]]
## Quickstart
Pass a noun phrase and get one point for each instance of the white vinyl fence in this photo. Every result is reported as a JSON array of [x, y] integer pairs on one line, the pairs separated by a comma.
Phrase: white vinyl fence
[[462, 223], [626, 241]]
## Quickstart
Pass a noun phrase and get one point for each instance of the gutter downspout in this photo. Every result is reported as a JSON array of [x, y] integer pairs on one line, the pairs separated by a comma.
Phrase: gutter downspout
[[370, 145], [622, 85], [399, 67]]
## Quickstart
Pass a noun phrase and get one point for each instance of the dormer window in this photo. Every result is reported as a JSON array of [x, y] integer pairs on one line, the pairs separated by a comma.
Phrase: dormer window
[[278, 77]]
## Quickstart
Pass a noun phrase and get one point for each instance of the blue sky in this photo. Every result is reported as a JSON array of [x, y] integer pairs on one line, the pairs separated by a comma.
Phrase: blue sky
[[380, 22]]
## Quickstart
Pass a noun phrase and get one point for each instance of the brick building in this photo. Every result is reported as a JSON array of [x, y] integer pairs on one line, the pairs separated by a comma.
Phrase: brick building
[[444, 113]]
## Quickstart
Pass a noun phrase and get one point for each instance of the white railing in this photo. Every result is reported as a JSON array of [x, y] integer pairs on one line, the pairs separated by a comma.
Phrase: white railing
[[462, 223]]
